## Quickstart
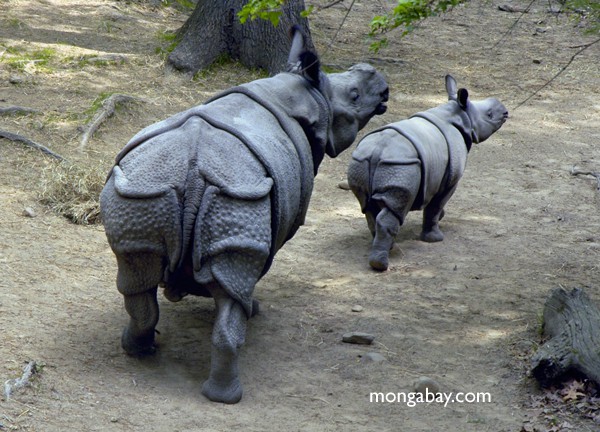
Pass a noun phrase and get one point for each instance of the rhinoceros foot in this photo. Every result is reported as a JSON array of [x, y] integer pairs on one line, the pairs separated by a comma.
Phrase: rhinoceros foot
[[378, 260], [138, 346], [217, 392], [432, 236]]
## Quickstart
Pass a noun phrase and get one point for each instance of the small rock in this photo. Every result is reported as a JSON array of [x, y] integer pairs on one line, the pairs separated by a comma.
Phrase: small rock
[[426, 384], [512, 9], [500, 233], [344, 185], [555, 9], [16, 79], [358, 338], [29, 212], [357, 308], [114, 419], [373, 357]]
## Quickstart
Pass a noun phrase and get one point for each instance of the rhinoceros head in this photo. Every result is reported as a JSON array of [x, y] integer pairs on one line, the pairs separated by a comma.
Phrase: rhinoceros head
[[354, 96], [485, 117]]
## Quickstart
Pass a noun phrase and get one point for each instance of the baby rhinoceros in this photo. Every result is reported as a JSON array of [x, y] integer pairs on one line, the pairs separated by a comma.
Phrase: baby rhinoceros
[[415, 164], [200, 202]]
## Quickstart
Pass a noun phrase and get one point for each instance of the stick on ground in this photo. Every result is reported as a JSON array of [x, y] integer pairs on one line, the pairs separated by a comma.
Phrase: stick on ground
[[28, 142], [109, 106]]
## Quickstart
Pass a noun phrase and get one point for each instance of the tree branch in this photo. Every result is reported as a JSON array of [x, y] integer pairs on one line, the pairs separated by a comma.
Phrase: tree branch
[[340, 27], [564, 68], [526, 10], [333, 3]]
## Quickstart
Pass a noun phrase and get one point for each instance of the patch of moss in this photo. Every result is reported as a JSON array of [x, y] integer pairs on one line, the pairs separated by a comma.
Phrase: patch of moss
[[169, 40], [36, 60], [96, 104], [185, 5], [224, 61], [15, 23]]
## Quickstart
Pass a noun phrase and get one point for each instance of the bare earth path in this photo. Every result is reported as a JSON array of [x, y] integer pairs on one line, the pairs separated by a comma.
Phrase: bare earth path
[[464, 312]]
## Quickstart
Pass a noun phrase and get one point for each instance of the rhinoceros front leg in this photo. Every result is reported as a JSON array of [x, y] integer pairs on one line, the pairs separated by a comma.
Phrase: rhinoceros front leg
[[433, 214], [229, 332], [387, 226], [137, 279]]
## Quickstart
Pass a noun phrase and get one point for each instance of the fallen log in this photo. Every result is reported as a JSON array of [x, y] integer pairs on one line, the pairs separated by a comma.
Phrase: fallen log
[[572, 326]]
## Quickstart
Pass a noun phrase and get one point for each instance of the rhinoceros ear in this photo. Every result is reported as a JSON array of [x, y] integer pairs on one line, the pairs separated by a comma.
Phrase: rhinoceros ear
[[311, 67], [463, 98], [451, 87], [297, 45], [301, 60]]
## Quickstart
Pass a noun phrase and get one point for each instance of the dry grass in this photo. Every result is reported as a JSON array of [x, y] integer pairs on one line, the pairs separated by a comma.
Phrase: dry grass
[[73, 190]]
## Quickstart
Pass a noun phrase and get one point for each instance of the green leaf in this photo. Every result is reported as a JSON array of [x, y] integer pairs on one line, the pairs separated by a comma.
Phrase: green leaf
[[268, 10], [406, 15], [306, 12]]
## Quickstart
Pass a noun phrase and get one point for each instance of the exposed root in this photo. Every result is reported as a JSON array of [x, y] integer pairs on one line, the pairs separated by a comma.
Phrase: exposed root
[[28, 142], [17, 110], [109, 106], [17, 383], [575, 171]]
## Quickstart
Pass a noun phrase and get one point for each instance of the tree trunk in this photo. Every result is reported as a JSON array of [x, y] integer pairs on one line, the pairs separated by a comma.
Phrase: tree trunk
[[572, 323], [214, 30]]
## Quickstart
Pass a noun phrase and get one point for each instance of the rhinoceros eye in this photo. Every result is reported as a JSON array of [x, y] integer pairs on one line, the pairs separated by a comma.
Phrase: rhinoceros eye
[[354, 95], [490, 114]]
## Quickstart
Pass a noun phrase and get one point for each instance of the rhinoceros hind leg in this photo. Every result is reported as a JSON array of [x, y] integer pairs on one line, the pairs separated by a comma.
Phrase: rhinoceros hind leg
[[138, 277], [371, 221], [387, 226], [433, 235], [223, 384], [138, 337], [433, 214]]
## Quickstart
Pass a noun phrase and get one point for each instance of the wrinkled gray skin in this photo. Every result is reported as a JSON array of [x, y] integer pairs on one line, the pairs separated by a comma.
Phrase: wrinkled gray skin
[[415, 164], [199, 203]]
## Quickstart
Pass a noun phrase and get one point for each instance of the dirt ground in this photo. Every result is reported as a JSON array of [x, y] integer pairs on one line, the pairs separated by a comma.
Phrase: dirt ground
[[464, 312]]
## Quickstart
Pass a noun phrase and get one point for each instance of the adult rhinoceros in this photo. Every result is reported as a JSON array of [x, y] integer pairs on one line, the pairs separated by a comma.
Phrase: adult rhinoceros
[[200, 202], [415, 164]]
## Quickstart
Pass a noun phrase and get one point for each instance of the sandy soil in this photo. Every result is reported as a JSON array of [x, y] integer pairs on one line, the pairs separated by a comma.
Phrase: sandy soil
[[464, 312]]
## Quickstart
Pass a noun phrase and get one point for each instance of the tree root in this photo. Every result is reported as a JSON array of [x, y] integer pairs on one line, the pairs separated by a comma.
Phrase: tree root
[[28, 142], [17, 110], [109, 106], [17, 383], [575, 171]]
